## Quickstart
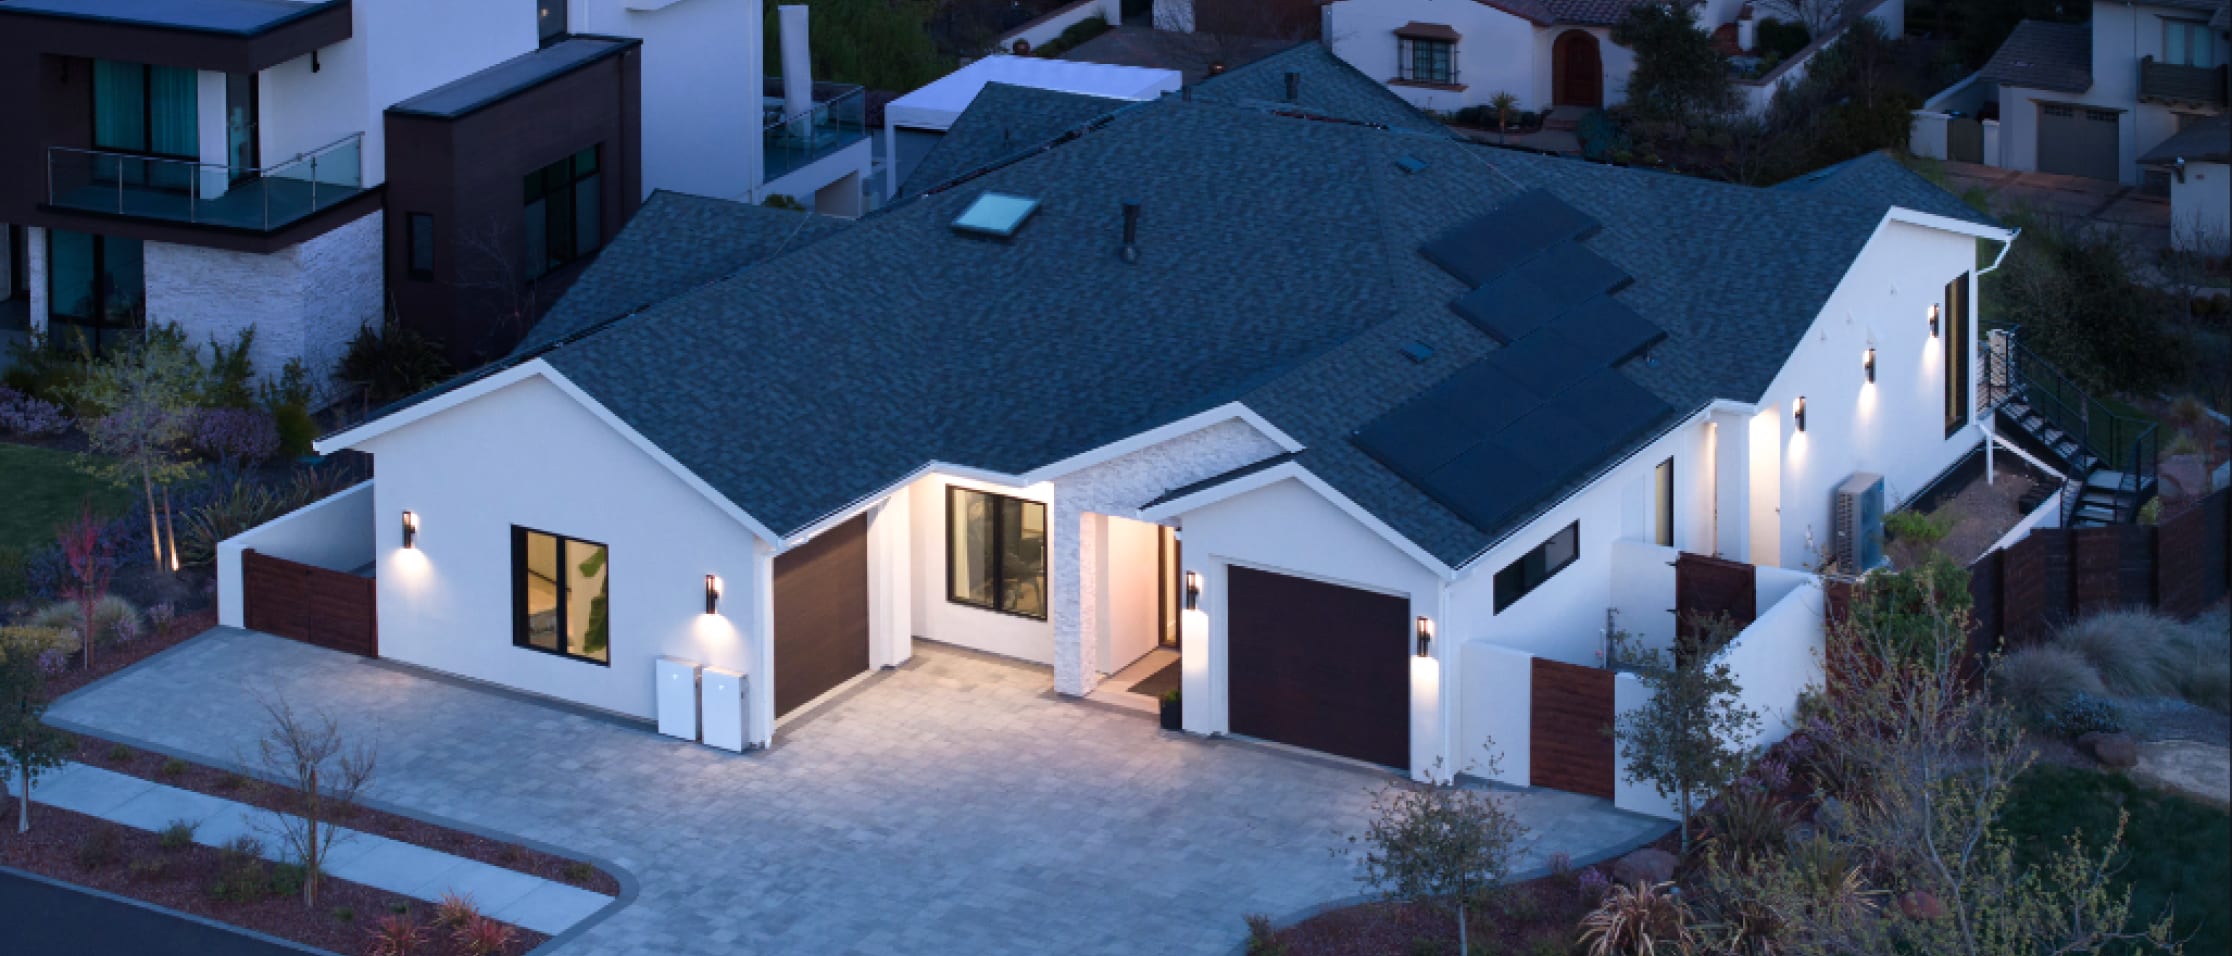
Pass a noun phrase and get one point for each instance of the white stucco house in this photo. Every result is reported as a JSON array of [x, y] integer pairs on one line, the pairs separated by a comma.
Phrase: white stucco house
[[2198, 162], [309, 168], [2093, 99], [1356, 443]]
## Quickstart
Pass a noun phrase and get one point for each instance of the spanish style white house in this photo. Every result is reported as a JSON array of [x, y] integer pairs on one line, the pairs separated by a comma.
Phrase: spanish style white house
[[1353, 420], [308, 168]]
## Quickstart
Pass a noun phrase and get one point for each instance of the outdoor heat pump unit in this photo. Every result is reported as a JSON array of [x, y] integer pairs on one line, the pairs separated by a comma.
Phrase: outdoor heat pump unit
[[727, 700], [1858, 514], [677, 697]]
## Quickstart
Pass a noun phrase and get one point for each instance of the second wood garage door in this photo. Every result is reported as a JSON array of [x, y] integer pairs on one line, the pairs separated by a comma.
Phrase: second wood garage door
[[821, 614], [1320, 666]]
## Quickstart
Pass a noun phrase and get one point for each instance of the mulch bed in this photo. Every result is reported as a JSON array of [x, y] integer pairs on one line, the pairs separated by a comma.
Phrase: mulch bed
[[184, 879], [110, 658]]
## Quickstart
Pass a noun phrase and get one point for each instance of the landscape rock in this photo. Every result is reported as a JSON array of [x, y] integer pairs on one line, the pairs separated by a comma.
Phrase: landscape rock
[[1648, 865], [2180, 477], [2200, 771], [2118, 751]]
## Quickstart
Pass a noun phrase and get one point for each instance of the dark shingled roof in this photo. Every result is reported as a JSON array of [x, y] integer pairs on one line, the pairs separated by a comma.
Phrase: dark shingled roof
[[2044, 56], [1330, 87], [1602, 13], [2204, 141], [676, 243], [1879, 176], [1291, 286], [1002, 122]]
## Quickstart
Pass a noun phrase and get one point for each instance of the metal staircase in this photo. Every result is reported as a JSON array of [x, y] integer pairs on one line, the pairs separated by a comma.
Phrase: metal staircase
[[2109, 458]]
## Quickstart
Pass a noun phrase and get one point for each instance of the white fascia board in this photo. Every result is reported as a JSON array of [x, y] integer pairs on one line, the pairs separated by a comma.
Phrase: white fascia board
[[867, 501], [537, 368], [1949, 224], [1281, 472], [1155, 436]]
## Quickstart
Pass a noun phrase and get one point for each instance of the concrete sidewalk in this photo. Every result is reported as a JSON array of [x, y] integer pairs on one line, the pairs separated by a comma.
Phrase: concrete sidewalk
[[375, 861]]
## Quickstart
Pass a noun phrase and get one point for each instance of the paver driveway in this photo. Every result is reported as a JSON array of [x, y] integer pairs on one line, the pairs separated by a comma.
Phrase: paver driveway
[[950, 806]]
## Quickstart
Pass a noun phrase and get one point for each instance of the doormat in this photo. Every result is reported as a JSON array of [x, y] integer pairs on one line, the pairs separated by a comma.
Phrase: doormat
[[1159, 682]]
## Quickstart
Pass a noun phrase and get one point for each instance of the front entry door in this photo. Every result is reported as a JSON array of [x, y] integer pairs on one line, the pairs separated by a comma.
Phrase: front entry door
[[1577, 71]]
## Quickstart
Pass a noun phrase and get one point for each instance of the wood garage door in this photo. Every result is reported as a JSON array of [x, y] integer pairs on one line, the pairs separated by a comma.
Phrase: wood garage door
[[1320, 666], [333, 609], [2077, 141], [821, 614]]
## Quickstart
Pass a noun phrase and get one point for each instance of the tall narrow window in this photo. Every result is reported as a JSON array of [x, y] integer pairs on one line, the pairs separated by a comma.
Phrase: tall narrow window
[[564, 212], [996, 552], [1521, 577], [420, 245], [1662, 487], [241, 150], [96, 290], [1955, 341], [560, 592], [550, 21]]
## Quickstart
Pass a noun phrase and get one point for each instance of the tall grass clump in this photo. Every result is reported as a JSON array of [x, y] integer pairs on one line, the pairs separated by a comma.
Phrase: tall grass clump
[[2039, 681], [2136, 653]]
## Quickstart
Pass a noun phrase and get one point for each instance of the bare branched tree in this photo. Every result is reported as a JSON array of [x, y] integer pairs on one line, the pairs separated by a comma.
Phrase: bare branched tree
[[324, 771], [1819, 17]]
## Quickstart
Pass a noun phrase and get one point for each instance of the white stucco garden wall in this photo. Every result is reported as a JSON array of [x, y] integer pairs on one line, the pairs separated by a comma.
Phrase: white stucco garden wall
[[1777, 658], [305, 301], [1495, 713], [528, 454], [335, 533], [2201, 209]]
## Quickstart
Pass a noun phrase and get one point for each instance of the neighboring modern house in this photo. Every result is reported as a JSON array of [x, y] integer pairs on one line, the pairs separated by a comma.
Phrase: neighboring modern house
[[309, 168], [2093, 99], [1357, 438]]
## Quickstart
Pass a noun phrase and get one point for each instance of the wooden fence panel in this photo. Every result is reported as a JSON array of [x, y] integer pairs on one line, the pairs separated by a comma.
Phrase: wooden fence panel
[[2190, 549], [1987, 586], [332, 609], [1568, 746], [1706, 587]]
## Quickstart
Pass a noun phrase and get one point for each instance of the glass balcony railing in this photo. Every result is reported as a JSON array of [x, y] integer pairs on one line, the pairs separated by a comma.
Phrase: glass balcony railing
[[214, 194], [838, 118]]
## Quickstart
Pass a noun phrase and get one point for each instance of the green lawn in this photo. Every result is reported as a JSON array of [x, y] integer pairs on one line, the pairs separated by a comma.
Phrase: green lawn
[[45, 489], [2176, 846]]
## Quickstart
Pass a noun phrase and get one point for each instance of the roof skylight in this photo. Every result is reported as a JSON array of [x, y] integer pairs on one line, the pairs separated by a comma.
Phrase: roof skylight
[[997, 215]]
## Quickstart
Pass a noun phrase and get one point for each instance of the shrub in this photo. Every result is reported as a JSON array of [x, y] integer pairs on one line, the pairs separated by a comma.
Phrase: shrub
[[453, 909], [161, 616], [246, 503], [172, 769], [115, 620], [15, 575], [1749, 822], [25, 415], [2205, 663], [391, 365], [1592, 886], [227, 379], [246, 436], [481, 936], [579, 872], [1561, 863], [102, 847], [2083, 714], [240, 871], [346, 914], [148, 868], [2037, 681], [396, 936], [1779, 39], [177, 835], [2136, 654], [118, 753], [1638, 920]]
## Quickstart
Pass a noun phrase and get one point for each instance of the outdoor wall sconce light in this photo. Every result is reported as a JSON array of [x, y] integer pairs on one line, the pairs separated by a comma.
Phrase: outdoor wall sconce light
[[1933, 320], [1868, 362], [712, 594], [1193, 590], [1425, 636], [410, 529], [1800, 414]]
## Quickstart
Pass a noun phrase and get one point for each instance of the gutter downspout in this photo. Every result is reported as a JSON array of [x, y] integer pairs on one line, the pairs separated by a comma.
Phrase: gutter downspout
[[2005, 245]]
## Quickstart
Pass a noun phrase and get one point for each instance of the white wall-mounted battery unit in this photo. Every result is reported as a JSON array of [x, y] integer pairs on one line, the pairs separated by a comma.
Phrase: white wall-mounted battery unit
[[727, 695], [678, 698]]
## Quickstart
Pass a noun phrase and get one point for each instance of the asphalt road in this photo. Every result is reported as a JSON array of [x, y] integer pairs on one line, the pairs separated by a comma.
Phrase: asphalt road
[[38, 918]]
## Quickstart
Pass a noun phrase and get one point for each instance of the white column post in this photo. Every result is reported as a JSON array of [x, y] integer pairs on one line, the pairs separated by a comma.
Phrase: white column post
[[1076, 597], [1731, 485], [761, 729]]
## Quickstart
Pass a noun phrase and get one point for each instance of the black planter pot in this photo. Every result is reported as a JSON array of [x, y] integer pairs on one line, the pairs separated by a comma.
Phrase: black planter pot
[[1173, 715]]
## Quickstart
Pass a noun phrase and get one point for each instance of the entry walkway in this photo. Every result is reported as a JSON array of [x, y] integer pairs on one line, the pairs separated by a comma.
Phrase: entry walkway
[[950, 806], [508, 895]]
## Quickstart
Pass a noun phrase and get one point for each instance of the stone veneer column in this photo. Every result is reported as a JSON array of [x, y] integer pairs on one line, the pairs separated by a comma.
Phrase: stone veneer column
[[1076, 593]]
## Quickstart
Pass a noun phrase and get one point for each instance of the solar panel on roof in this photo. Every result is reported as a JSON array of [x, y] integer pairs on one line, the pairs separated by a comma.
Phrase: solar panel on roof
[[996, 214], [1543, 364], [1608, 330], [1574, 270], [1499, 240]]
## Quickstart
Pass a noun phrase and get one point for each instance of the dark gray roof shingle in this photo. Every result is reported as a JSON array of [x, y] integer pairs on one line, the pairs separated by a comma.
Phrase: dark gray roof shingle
[[1877, 177], [1002, 122], [1329, 87], [675, 243], [2203, 141], [2044, 56]]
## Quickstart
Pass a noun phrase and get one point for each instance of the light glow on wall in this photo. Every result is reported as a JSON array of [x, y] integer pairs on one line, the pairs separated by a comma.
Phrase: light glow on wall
[[1425, 718], [1193, 670]]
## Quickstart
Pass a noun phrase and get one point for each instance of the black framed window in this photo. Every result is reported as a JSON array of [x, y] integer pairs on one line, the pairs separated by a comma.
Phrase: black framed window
[[564, 220], [1954, 338], [96, 290], [550, 21], [1539, 565], [418, 242], [560, 595], [996, 552], [1421, 60], [1662, 494]]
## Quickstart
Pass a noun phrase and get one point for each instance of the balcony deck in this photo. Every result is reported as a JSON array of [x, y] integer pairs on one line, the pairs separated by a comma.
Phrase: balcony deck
[[259, 205], [836, 121]]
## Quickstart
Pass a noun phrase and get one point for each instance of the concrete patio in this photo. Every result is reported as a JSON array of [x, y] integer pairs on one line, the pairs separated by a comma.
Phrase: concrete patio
[[952, 805], [2144, 220]]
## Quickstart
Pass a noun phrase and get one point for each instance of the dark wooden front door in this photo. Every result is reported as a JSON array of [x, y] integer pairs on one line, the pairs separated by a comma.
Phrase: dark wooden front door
[[331, 609], [1577, 70], [1567, 746], [821, 614], [1320, 666]]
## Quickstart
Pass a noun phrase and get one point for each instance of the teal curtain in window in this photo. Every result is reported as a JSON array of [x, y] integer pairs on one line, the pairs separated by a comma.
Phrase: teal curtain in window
[[173, 126], [119, 105]]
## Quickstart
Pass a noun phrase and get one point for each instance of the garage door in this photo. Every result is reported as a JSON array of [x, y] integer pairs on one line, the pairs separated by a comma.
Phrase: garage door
[[1320, 666], [821, 614], [2077, 141]]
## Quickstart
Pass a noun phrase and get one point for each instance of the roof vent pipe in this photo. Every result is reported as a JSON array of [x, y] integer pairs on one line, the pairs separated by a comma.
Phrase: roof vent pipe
[[798, 69], [1294, 87], [1131, 231]]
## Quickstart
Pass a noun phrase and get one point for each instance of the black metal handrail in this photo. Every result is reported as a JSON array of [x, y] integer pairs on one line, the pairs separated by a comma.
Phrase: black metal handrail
[[2126, 445]]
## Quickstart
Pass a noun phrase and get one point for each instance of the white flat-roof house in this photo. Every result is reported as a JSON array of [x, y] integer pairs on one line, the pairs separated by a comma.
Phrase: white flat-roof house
[[308, 168], [915, 122], [1364, 446]]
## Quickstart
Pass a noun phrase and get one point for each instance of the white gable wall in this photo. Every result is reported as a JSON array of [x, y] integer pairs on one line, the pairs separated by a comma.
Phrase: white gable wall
[[1496, 51], [530, 455]]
